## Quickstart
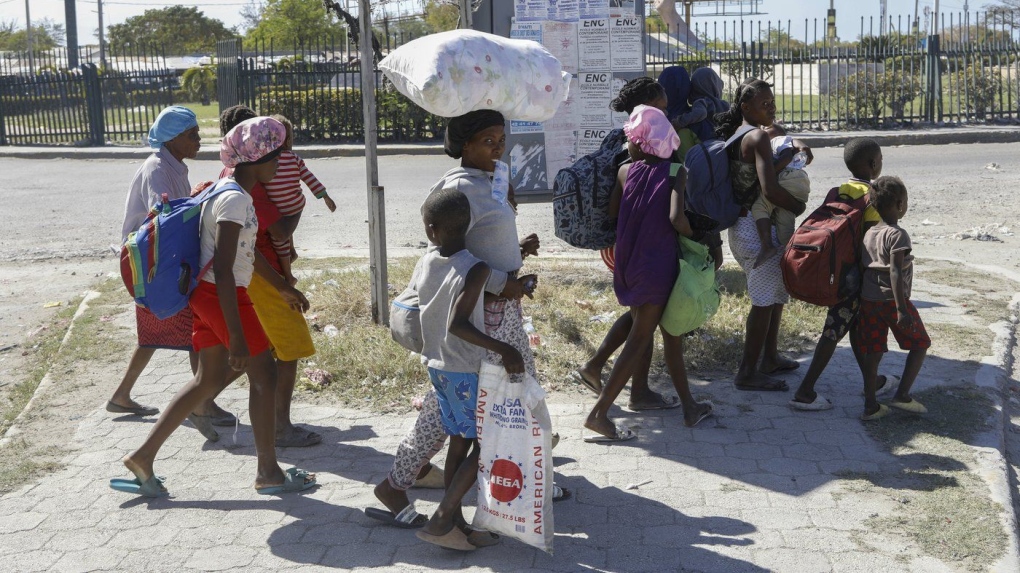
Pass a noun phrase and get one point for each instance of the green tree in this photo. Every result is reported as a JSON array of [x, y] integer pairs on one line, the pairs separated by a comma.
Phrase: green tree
[[293, 22], [46, 35], [178, 29], [441, 16], [199, 82]]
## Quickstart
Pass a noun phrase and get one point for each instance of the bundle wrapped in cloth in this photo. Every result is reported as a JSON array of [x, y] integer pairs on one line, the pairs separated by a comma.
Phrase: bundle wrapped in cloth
[[456, 72]]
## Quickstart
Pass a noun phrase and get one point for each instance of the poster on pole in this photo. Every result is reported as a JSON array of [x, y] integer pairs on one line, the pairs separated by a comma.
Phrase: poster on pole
[[600, 43]]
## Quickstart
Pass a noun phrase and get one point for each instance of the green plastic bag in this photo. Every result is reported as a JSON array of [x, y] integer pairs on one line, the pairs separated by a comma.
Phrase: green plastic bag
[[695, 296]]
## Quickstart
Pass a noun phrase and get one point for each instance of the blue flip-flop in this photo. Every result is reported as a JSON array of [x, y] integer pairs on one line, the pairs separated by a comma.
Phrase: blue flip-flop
[[152, 487], [293, 481]]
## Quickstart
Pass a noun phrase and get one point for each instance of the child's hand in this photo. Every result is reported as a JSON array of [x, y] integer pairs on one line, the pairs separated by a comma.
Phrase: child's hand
[[512, 360], [903, 318], [530, 245], [295, 299], [199, 187], [329, 203]]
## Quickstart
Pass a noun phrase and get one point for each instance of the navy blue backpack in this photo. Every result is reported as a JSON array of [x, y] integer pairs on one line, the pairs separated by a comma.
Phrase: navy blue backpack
[[709, 189], [581, 195]]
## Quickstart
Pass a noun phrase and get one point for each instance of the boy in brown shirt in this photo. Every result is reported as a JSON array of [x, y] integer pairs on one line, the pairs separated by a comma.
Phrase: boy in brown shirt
[[885, 301]]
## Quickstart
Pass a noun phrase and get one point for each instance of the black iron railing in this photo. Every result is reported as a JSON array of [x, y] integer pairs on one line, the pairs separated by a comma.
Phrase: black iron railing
[[962, 70]]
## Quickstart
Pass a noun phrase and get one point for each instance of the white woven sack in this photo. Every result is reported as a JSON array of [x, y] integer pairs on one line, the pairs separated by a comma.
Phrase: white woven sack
[[456, 72]]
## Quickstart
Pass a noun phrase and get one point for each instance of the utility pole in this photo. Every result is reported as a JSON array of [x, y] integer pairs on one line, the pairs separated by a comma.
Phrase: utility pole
[[376, 193], [102, 47], [882, 9], [71, 29], [28, 37], [917, 18], [830, 23], [466, 17]]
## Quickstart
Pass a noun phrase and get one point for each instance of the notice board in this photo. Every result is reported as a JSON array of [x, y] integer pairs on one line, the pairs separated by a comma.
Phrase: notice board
[[600, 43]]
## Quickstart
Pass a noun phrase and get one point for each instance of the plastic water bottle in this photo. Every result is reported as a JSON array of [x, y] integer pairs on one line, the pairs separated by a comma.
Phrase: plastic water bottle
[[501, 182], [534, 340]]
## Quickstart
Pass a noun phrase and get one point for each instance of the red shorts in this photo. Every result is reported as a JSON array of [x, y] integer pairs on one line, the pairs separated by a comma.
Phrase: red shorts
[[210, 329], [877, 318]]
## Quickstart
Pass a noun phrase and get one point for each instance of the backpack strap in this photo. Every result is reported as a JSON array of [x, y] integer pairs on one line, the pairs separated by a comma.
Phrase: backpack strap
[[739, 134], [221, 186]]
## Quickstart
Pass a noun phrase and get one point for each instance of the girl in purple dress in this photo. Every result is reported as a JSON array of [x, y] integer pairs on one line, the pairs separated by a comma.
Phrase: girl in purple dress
[[651, 214]]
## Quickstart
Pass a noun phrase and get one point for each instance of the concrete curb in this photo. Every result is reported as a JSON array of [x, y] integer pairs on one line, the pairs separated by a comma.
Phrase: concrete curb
[[993, 375], [47, 380], [210, 152]]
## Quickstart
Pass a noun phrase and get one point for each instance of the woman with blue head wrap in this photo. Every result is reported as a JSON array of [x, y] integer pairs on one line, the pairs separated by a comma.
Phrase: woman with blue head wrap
[[174, 137], [170, 123]]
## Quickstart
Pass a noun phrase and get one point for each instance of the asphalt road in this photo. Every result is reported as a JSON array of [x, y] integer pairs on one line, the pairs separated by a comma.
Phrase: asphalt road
[[66, 209]]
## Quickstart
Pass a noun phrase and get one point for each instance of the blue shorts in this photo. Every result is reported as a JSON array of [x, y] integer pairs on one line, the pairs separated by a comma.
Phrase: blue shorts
[[458, 398]]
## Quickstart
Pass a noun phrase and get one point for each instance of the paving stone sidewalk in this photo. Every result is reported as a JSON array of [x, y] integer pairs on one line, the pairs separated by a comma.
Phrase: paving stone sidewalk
[[756, 488]]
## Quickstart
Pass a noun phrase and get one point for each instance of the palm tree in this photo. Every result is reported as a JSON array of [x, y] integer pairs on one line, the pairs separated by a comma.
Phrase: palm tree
[[198, 82]]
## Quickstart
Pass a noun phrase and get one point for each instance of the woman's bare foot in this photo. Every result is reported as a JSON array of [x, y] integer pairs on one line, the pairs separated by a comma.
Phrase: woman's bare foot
[[760, 383], [603, 426], [592, 379], [697, 413], [394, 499], [141, 468], [276, 477], [778, 363]]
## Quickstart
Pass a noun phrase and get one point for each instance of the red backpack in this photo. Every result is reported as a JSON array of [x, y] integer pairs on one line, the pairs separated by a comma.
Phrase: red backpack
[[821, 264]]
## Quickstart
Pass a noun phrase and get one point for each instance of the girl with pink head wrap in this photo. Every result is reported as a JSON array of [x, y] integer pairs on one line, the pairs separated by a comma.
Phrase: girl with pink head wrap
[[227, 333], [651, 213]]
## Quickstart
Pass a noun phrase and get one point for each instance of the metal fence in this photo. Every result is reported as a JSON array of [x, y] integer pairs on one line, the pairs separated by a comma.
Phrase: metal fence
[[317, 85], [899, 74], [42, 101]]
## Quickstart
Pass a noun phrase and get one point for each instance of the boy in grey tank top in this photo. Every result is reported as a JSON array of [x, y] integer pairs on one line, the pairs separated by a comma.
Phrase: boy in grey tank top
[[450, 284]]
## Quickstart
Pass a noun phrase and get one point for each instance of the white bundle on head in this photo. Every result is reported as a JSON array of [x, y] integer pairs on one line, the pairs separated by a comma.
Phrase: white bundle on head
[[456, 72]]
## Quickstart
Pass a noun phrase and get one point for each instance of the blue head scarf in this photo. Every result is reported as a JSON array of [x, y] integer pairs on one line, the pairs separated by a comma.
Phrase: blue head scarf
[[170, 123], [677, 84]]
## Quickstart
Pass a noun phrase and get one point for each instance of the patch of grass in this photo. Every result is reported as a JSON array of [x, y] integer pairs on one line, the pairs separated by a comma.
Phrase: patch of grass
[[955, 341], [573, 292], [18, 462], [95, 337], [573, 309], [368, 368], [944, 506], [42, 353]]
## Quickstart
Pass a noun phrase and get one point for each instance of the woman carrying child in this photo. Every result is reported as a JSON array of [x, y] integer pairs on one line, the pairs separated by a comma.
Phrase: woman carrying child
[[478, 140], [227, 333], [281, 318], [651, 214], [450, 281], [751, 170]]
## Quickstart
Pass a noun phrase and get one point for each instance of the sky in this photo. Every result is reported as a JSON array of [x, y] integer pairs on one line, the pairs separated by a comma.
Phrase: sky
[[848, 12]]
